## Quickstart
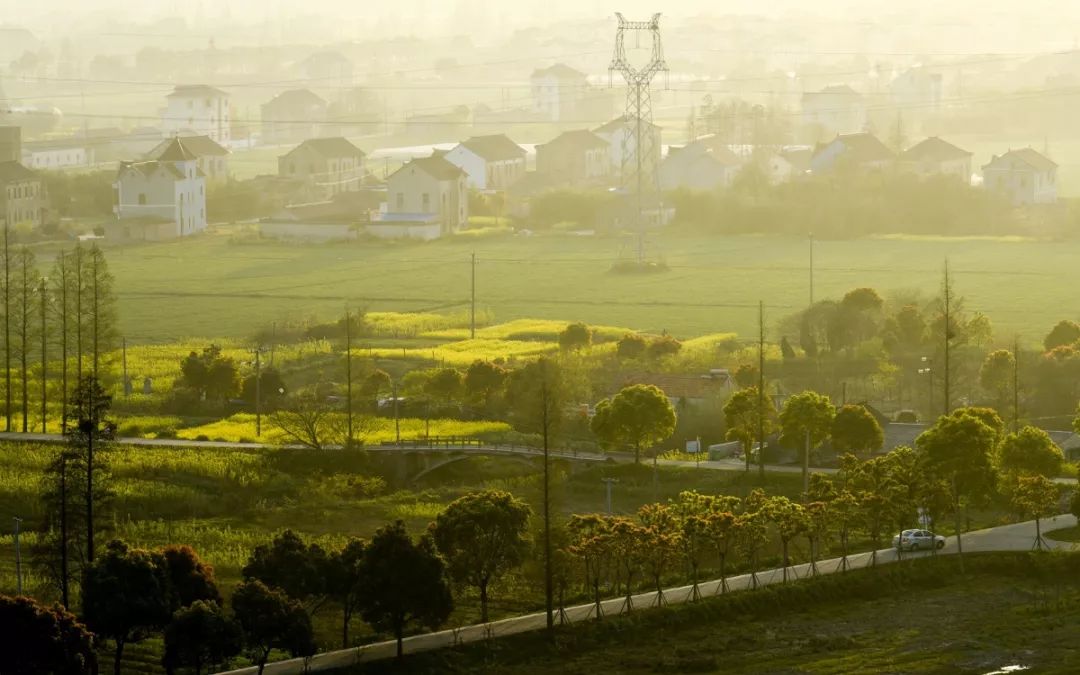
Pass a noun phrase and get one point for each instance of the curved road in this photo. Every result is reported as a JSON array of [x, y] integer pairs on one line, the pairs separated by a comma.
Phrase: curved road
[[1015, 537]]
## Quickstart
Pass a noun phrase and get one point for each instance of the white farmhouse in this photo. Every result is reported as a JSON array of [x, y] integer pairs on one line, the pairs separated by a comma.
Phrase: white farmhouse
[[161, 198], [213, 160], [426, 199], [1023, 176], [619, 134], [197, 110], [490, 162], [558, 92], [936, 157]]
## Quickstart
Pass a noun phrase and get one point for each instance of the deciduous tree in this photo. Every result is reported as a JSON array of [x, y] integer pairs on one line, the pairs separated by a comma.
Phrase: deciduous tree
[[1036, 497], [269, 619], [1064, 333], [292, 565], [856, 430], [40, 640], [745, 415], [200, 636], [805, 422], [575, 336], [1030, 451], [343, 582], [639, 416]]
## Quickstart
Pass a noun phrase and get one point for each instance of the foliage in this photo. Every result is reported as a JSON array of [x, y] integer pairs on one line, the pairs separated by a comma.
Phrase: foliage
[[269, 620], [188, 578], [996, 376], [343, 581], [855, 429], [639, 416], [403, 584], [575, 336], [39, 640], [482, 536], [747, 414], [1030, 451], [631, 346], [200, 635], [1065, 333], [210, 373], [310, 421], [291, 565], [806, 413]]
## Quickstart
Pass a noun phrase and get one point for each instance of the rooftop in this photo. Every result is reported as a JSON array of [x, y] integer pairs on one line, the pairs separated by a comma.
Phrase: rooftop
[[174, 150], [1037, 161], [582, 138], [436, 167], [14, 171], [336, 146], [196, 90], [934, 149], [618, 123], [494, 148], [198, 146], [560, 71], [863, 147], [297, 97]]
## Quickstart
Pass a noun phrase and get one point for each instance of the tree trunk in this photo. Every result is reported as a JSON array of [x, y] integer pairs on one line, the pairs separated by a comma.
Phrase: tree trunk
[[784, 544], [484, 601], [723, 577], [262, 660], [90, 492], [959, 541], [119, 657], [347, 616], [637, 453], [399, 636]]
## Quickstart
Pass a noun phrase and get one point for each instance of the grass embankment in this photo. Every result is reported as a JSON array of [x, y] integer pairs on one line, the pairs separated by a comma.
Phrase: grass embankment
[[213, 285], [921, 616], [1069, 534]]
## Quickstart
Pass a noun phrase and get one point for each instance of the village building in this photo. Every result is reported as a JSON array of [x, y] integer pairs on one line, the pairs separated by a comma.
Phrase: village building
[[162, 198], [936, 157], [558, 92], [622, 151], [292, 116], [62, 153], [704, 164], [837, 109], [848, 152], [325, 167], [211, 158], [198, 110], [573, 157], [426, 199], [1023, 176], [490, 162], [23, 198]]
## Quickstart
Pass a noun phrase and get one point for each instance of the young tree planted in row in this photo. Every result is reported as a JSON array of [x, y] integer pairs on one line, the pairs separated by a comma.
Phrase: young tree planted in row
[[269, 619]]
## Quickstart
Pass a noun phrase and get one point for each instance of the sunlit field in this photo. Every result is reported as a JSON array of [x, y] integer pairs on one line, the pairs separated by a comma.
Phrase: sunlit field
[[241, 284]]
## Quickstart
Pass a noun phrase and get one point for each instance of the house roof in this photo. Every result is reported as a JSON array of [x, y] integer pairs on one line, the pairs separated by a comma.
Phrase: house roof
[[833, 90], [798, 158], [494, 148], [618, 123], [436, 167], [149, 167], [711, 145], [934, 149], [296, 97], [336, 146], [862, 147], [196, 90], [174, 150], [14, 171], [560, 71], [199, 146], [1034, 160], [582, 138]]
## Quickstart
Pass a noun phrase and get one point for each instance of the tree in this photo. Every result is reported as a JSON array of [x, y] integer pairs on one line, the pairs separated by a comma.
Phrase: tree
[[444, 384], [805, 421], [631, 346], [343, 582], [723, 531], [1036, 497], [691, 512], [639, 416], [987, 416], [269, 620], [482, 537], [271, 388], [574, 337], [200, 635], [289, 564], [90, 405], [590, 543], [483, 381], [665, 345], [212, 375], [660, 542], [790, 521], [26, 330], [958, 449], [1064, 334], [375, 384], [743, 415], [98, 306], [1030, 451], [856, 430], [40, 640], [996, 376], [404, 584], [124, 597], [190, 580], [310, 421]]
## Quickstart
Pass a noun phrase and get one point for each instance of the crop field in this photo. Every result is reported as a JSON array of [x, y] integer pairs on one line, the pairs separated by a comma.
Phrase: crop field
[[229, 285]]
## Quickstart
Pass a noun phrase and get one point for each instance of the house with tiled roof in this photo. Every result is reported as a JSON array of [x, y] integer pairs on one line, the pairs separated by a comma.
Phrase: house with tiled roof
[[558, 92], [937, 157], [325, 166], [426, 198], [160, 198], [704, 164], [1023, 176], [573, 157], [198, 110], [23, 198], [292, 116], [861, 152], [211, 157], [620, 134], [490, 162]]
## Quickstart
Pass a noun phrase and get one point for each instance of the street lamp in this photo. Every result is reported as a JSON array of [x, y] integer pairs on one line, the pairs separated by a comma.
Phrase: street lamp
[[929, 372]]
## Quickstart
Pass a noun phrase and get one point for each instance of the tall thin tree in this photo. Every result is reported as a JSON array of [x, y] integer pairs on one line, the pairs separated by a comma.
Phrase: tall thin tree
[[7, 324], [946, 293], [43, 296], [761, 389]]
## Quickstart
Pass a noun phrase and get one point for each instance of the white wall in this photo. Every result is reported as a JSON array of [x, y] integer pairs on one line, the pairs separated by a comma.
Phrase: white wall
[[472, 164]]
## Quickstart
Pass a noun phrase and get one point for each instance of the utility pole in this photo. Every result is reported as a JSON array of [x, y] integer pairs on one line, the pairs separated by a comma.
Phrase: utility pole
[[639, 135], [1016, 384], [43, 291], [472, 299], [123, 352], [7, 325], [63, 344], [549, 584], [18, 558], [608, 482], [258, 391], [811, 269], [761, 389], [348, 380], [397, 417], [947, 293]]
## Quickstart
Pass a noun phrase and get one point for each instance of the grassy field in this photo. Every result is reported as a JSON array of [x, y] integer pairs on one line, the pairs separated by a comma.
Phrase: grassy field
[[1010, 610], [226, 285]]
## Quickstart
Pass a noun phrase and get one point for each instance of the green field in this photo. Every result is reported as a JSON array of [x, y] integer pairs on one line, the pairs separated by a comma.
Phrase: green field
[[229, 285]]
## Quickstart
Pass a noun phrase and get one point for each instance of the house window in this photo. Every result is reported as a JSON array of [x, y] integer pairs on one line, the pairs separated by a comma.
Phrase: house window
[[426, 202], [400, 201]]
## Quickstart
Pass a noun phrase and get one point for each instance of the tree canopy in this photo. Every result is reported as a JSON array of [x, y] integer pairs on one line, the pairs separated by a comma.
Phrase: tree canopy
[[855, 429], [1030, 451], [40, 640], [638, 416]]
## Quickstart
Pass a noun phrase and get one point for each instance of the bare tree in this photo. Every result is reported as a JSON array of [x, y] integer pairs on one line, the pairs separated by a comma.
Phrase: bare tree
[[311, 422]]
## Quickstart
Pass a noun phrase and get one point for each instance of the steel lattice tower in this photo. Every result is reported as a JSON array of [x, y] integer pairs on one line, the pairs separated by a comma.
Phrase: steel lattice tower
[[640, 171]]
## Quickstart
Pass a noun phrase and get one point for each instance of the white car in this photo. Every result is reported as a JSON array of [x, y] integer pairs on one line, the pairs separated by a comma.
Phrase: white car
[[917, 540]]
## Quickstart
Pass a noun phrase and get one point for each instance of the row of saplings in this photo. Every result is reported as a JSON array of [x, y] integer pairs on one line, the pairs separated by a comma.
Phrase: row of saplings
[[397, 583]]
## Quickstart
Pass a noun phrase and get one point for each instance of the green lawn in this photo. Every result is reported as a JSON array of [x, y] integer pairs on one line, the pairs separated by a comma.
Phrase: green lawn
[[220, 285]]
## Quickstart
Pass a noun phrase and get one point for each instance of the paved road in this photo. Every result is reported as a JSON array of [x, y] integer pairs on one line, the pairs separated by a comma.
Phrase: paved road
[[1016, 537]]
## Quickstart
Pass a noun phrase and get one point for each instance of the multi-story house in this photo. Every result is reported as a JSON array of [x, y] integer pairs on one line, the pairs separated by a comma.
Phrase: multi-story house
[[326, 166], [490, 162], [1023, 176], [574, 157], [198, 110], [292, 116], [160, 198], [428, 190], [211, 158]]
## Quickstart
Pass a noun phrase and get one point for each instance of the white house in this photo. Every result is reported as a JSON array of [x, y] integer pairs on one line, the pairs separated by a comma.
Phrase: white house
[[57, 154], [935, 157], [424, 192], [1023, 176], [917, 89], [788, 164], [490, 162], [198, 110], [704, 164], [619, 134], [558, 91], [161, 198], [836, 109]]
